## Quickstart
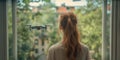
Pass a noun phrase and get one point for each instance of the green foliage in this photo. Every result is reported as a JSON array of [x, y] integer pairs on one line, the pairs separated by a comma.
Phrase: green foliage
[[48, 16], [90, 26], [10, 32], [47, 0], [26, 1], [25, 42]]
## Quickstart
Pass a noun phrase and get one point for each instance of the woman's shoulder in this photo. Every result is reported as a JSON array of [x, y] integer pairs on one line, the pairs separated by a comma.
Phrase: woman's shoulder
[[60, 46], [84, 47], [56, 46]]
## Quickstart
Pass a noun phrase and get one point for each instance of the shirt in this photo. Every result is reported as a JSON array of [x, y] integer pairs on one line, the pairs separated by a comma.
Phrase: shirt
[[57, 52]]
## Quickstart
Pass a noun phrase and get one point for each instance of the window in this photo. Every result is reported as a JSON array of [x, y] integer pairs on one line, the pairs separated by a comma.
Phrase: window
[[27, 42], [43, 42], [36, 50], [36, 42]]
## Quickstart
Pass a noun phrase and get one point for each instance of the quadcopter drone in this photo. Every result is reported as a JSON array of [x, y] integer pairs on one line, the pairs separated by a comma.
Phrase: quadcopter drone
[[38, 27]]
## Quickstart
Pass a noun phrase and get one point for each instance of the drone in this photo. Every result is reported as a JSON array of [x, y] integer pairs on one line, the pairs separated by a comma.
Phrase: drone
[[38, 27]]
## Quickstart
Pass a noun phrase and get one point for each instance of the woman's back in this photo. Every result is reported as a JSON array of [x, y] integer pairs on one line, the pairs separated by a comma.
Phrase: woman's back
[[70, 48], [57, 52]]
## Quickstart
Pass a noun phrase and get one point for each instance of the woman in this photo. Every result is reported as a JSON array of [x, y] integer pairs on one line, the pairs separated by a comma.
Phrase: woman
[[70, 48]]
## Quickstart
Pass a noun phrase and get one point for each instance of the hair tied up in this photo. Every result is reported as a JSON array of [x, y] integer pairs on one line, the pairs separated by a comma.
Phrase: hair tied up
[[71, 36]]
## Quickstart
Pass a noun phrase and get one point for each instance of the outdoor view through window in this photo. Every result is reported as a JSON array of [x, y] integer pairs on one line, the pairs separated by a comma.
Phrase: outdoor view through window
[[37, 26]]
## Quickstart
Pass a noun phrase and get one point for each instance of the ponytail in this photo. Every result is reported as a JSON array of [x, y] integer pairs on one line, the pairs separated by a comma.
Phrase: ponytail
[[68, 22]]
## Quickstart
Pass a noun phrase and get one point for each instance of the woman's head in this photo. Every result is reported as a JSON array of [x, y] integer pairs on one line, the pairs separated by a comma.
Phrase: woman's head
[[68, 25], [67, 19]]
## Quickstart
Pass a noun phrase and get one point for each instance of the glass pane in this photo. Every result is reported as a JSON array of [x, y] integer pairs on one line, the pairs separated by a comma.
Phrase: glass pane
[[38, 27], [10, 33], [108, 29]]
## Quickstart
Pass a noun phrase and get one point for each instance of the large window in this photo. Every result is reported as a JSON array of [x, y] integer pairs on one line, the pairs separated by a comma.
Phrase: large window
[[89, 24]]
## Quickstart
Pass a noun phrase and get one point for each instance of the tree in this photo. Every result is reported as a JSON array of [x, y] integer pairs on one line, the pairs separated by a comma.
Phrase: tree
[[25, 42], [90, 26]]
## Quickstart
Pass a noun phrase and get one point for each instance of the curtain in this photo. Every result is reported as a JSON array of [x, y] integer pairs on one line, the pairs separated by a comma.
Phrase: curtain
[[115, 30], [3, 31]]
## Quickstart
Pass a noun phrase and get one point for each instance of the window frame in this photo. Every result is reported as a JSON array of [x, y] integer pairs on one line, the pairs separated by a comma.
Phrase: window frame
[[115, 31]]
